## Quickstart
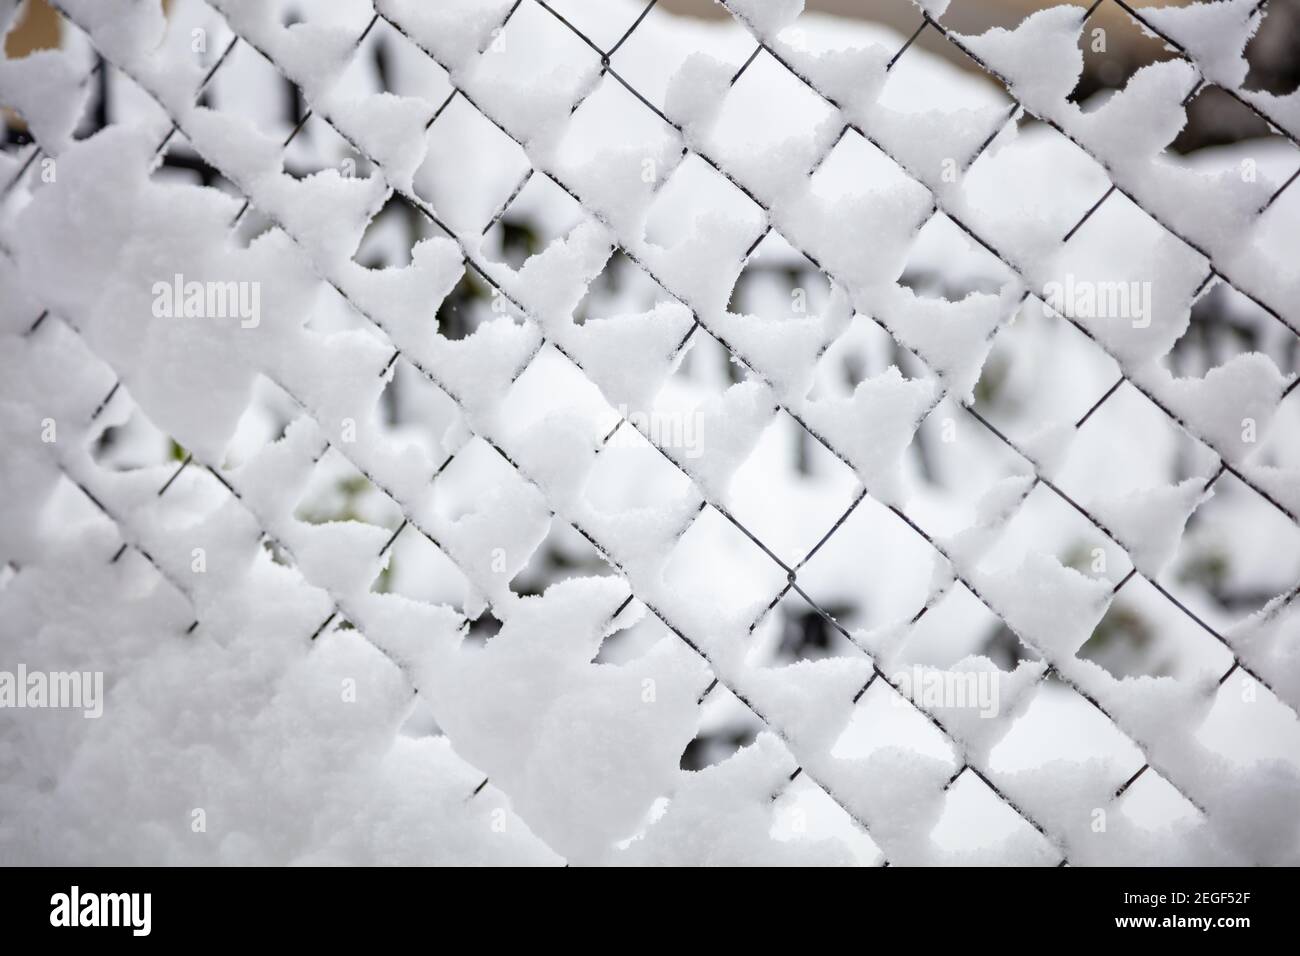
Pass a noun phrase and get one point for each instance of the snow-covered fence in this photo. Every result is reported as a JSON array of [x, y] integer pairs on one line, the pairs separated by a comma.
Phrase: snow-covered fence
[[268, 700]]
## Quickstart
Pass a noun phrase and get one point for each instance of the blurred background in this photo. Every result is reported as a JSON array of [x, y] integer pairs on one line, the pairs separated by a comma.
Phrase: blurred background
[[1274, 54]]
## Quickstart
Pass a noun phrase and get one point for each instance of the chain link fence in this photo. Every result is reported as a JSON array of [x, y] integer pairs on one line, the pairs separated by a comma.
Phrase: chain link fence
[[498, 326]]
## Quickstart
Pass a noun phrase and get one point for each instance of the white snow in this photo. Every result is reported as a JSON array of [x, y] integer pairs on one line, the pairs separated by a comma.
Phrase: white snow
[[874, 427], [1040, 58], [1214, 34], [1149, 523], [769, 17], [402, 605], [1230, 407], [1051, 607]]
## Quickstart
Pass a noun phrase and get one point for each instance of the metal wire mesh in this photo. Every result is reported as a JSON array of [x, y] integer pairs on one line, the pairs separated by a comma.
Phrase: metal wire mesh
[[701, 326]]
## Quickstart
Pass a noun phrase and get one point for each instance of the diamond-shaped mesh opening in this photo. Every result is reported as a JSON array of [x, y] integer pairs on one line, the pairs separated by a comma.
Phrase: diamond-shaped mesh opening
[[392, 233], [1046, 523], [564, 554], [637, 448], [1237, 577], [1114, 47], [1272, 68], [1215, 116], [1279, 166], [1241, 702], [552, 385], [853, 160], [1223, 323], [418, 569], [1022, 174], [883, 718], [805, 812], [654, 51], [611, 118], [741, 577], [530, 220], [471, 167], [1100, 466], [250, 86], [1058, 724], [338, 491], [862, 351], [791, 491], [135, 442], [1144, 634], [467, 306], [1275, 451], [778, 281], [182, 164], [387, 61], [768, 106], [534, 43], [796, 630], [1024, 400], [972, 17], [726, 726], [945, 261], [1154, 804], [977, 822], [706, 368], [851, 571], [621, 288], [316, 145], [945, 626], [957, 455], [603, 26], [694, 186]]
